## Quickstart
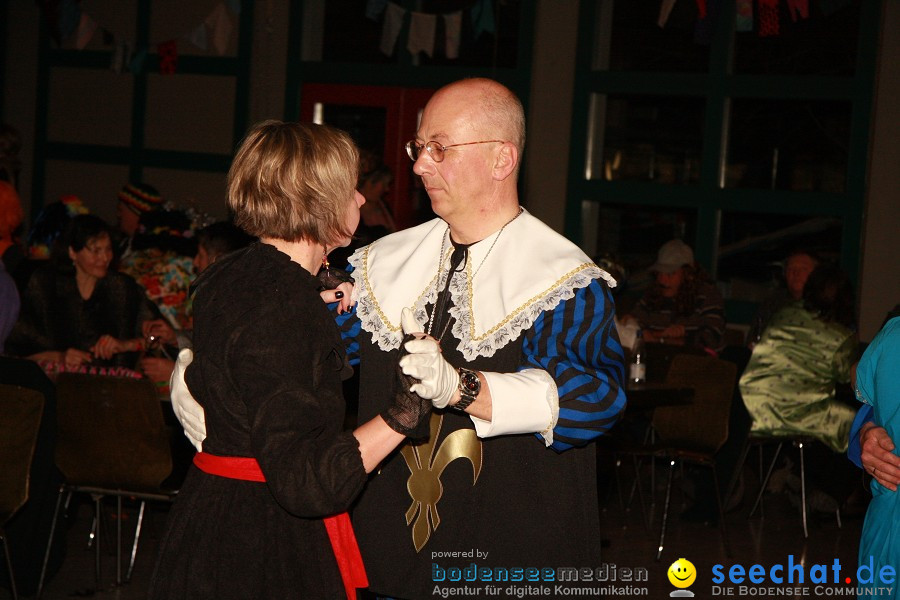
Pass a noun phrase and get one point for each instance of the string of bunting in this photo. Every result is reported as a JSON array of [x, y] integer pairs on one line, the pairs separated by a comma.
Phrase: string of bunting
[[766, 21], [422, 26], [67, 20]]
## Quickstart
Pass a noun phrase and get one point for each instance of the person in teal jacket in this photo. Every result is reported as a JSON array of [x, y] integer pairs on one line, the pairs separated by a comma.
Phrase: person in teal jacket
[[877, 385]]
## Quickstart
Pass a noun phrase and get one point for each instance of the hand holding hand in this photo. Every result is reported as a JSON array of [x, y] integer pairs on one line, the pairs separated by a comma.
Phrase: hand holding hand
[[877, 456], [188, 412], [409, 412], [438, 380]]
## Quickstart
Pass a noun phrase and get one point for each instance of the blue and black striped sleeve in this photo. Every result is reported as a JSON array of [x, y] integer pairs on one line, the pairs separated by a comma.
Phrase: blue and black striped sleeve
[[577, 344], [350, 327]]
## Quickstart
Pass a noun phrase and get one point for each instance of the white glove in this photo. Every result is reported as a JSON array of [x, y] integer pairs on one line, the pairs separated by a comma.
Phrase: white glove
[[438, 380], [188, 412]]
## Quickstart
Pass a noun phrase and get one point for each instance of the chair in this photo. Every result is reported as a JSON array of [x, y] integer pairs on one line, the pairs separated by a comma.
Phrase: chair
[[112, 441], [799, 441], [695, 432], [21, 410]]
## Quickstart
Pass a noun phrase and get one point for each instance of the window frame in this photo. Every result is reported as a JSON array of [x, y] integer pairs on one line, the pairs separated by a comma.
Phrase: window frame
[[719, 85]]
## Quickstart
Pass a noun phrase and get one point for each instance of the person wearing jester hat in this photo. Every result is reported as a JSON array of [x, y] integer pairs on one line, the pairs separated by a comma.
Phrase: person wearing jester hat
[[135, 199]]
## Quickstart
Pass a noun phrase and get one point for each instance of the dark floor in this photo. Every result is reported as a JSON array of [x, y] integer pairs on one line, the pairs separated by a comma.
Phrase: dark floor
[[766, 541]]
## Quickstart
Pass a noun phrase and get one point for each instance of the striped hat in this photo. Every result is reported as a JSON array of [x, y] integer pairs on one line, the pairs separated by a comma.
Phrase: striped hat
[[140, 197]]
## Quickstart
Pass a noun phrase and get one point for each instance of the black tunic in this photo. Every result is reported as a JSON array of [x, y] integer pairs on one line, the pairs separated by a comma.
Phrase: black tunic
[[529, 507], [267, 369]]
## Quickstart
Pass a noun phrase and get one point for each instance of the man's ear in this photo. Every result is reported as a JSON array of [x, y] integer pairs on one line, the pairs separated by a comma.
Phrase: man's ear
[[506, 161]]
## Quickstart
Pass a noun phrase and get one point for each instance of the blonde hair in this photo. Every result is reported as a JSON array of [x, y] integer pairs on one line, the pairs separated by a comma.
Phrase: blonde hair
[[293, 181]]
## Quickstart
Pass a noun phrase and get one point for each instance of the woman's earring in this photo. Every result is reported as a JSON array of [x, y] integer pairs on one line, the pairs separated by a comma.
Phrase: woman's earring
[[325, 264]]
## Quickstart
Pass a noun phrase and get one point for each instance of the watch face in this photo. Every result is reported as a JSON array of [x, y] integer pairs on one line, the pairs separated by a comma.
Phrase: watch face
[[469, 380]]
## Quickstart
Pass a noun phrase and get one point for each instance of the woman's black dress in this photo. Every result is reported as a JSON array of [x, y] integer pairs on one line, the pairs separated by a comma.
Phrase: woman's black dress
[[268, 364]]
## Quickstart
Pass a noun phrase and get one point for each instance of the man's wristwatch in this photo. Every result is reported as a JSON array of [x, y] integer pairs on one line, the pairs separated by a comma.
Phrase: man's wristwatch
[[469, 387]]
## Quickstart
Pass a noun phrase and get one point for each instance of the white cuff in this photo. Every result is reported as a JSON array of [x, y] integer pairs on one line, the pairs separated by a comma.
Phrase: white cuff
[[523, 402]]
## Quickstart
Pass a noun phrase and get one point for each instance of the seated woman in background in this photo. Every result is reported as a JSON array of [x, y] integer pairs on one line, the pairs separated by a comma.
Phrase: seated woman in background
[[789, 384], [684, 307], [75, 311]]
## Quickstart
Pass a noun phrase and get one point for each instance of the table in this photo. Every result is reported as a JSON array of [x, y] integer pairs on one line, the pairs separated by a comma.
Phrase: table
[[650, 395]]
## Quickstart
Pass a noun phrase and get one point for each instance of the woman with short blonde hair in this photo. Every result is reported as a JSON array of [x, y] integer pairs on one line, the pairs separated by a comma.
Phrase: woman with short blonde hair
[[292, 180], [262, 512]]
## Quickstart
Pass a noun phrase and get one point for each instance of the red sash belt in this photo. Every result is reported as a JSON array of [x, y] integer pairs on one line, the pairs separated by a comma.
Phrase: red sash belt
[[339, 528]]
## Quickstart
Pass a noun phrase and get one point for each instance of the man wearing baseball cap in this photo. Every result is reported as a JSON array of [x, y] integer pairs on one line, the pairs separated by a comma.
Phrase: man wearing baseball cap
[[673, 255], [683, 307]]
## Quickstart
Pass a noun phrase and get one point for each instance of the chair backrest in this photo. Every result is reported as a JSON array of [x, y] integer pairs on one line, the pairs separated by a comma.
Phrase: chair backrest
[[111, 432], [21, 410], [703, 424], [660, 356]]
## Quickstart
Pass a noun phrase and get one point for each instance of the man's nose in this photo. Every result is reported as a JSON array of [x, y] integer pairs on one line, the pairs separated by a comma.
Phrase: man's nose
[[424, 163]]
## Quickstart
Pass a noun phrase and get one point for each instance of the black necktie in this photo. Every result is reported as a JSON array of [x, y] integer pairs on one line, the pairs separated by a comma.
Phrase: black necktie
[[441, 314]]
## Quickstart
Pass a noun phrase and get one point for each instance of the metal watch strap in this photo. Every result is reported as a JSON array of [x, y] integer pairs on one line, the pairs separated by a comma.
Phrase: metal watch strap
[[464, 401]]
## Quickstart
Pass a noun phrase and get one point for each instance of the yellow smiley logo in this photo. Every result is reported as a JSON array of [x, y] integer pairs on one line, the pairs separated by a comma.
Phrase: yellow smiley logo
[[682, 573]]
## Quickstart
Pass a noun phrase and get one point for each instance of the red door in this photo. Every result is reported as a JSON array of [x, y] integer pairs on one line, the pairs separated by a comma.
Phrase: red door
[[381, 120]]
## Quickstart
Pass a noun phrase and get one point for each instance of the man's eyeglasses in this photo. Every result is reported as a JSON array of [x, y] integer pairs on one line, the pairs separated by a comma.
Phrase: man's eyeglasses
[[436, 150]]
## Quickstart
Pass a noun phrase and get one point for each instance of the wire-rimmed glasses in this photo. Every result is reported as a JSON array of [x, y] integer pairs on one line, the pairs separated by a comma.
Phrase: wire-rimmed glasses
[[436, 150]]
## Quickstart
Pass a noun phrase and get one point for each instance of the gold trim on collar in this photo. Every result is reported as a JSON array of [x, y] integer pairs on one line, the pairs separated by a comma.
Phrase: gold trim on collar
[[526, 304], [374, 298], [472, 336]]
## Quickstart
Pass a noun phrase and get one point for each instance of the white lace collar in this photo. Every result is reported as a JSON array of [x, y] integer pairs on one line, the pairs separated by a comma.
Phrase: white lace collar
[[530, 269]]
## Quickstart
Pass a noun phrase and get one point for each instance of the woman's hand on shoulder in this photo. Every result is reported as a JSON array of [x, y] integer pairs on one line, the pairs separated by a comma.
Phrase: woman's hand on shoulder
[[340, 294]]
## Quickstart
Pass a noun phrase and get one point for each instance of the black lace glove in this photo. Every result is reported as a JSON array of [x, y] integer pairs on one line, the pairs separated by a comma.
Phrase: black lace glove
[[331, 278], [408, 413]]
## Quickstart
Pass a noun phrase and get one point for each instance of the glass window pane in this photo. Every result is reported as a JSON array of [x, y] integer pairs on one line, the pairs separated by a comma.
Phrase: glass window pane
[[365, 124], [628, 38], [645, 138], [102, 122], [823, 44], [798, 145], [631, 234], [754, 246], [207, 127]]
